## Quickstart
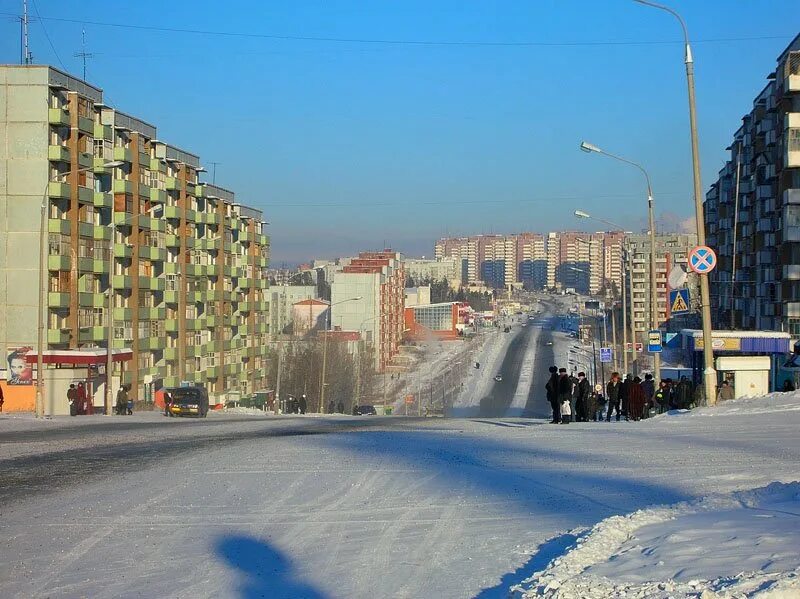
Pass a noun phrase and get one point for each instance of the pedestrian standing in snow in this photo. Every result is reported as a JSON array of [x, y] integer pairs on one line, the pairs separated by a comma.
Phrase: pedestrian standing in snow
[[122, 400], [72, 400], [573, 401], [613, 389], [725, 391], [82, 401], [564, 394], [623, 395], [661, 397], [649, 388], [684, 394], [302, 403], [340, 407], [552, 395], [635, 399], [788, 386], [583, 391]]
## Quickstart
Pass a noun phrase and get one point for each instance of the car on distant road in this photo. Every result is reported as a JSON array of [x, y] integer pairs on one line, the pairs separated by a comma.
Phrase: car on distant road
[[548, 343], [186, 401], [498, 377], [365, 411]]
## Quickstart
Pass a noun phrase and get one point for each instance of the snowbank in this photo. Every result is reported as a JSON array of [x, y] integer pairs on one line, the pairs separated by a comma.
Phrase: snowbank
[[748, 541]]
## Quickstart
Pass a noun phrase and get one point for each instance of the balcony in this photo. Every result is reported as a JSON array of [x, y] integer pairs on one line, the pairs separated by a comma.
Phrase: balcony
[[86, 125], [58, 189], [152, 253], [144, 191], [245, 283], [152, 343], [122, 186], [212, 372], [158, 196], [171, 325], [85, 160], [172, 212], [87, 299], [172, 183], [172, 241], [99, 266], [93, 334], [121, 281], [58, 153], [152, 313], [170, 353], [122, 314], [58, 116], [123, 250], [58, 225], [152, 283], [102, 132], [57, 336], [123, 154], [791, 84], [171, 296], [102, 200], [97, 166], [212, 321], [194, 351], [58, 300], [101, 232], [58, 263]]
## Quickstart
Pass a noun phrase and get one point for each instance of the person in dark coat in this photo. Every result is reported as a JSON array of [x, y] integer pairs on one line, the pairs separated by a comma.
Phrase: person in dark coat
[[302, 404], [295, 405], [684, 394], [623, 395], [340, 407], [788, 386], [552, 395], [613, 389], [573, 402], [635, 400], [649, 388], [2, 400], [661, 397], [582, 392], [72, 398], [122, 400], [83, 403], [564, 393]]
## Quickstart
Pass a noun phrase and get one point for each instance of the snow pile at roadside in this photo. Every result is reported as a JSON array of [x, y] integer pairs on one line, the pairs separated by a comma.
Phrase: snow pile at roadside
[[774, 402], [747, 541]]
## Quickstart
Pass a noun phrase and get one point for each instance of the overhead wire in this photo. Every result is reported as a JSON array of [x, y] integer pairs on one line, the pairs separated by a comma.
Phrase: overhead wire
[[47, 36], [402, 42]]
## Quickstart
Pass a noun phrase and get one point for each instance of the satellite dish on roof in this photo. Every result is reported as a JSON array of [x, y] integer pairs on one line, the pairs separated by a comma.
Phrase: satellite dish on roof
[[677, 277]]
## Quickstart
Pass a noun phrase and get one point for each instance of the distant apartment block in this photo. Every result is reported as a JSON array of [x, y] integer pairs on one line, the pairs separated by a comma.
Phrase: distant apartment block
[[367, 296], [587, 262], [282, 298], [183, 261], [671, 250], [761, 224], [449, 269]]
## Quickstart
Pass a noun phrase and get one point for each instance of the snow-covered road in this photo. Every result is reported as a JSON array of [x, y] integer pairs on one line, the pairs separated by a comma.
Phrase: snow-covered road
[[345, 507]]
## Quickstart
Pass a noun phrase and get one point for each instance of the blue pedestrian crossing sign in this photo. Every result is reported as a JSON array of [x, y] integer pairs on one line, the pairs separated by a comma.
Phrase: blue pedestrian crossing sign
[[654, 341], [606, 354], [702, 259], [678, 301]]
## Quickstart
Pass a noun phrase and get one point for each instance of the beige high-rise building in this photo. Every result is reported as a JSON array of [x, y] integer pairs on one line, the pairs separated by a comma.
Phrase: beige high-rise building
[[183, 262]]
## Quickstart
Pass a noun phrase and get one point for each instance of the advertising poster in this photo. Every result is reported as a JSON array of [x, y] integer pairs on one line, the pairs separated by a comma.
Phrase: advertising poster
[[19, 372]]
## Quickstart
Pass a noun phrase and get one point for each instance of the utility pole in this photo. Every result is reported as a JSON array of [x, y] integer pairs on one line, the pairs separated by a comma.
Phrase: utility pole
[[214, 172], [278, 380], [83, 54], [26, 57], [735, 227]]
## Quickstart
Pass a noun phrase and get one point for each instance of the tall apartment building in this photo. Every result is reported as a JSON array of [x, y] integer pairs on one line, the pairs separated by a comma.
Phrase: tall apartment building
[[763, 221], [183, 262], [367, 296], [671, 249], [584, 261]]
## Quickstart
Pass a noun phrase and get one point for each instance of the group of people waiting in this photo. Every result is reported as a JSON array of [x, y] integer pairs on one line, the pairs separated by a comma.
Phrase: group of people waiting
[[573, 399]]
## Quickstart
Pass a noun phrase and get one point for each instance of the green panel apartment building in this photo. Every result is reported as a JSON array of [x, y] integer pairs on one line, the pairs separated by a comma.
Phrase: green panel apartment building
[[186, 264]]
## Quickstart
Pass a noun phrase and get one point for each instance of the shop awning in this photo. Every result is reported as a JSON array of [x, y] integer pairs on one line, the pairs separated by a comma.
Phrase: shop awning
[[64, 357]]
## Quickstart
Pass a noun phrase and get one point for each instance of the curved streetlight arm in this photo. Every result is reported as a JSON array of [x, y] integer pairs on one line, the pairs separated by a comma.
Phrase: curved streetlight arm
[[632, 163], [582, 214], [688, 49]]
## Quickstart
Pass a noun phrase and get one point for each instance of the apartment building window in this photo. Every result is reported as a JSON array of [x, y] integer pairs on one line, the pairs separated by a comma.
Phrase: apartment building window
[[171, 282], [146, 299], [91, 283], [145, 360], [123, 330], [85, 247], [58, 245], [91, 317], [86, 214], [57, 319], [103, 149], [793, 139], [145, 268], [157, 180], [191, 312], [59, 282], [102, 249], [59, 135]]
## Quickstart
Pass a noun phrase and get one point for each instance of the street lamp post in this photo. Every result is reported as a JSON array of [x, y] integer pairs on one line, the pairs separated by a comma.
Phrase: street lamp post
[[325, 351], [583, 214], [591, 148], [39, 403], [709, 374]]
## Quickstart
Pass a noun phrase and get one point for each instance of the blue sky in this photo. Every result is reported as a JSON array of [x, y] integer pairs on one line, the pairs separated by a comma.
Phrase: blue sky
[[349, 146]]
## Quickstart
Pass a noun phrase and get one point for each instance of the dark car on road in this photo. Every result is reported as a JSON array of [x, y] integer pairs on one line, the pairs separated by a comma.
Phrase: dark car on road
[[186, 401], [364, 411]]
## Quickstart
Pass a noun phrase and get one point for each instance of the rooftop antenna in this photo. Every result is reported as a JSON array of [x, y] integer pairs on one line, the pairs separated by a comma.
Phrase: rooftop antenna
[[214, 172], [26, 57], [83, 54]]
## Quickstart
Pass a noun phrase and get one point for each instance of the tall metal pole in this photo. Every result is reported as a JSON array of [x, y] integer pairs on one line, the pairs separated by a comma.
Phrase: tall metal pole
[[614, 335], [709, 373], [735, 230], [634, 364], [653, 283], [276, 403], [39, 407], [324, 365], [624, 322]]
